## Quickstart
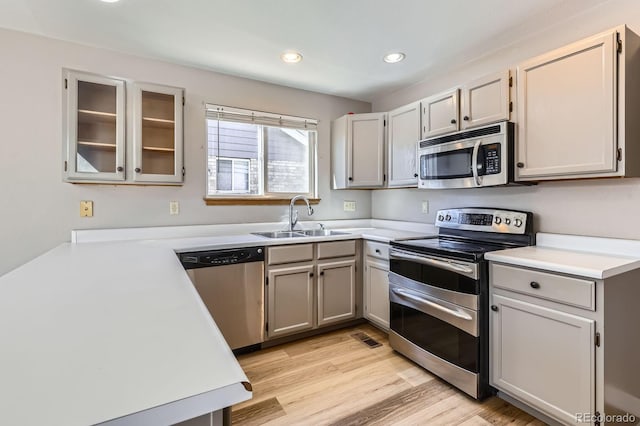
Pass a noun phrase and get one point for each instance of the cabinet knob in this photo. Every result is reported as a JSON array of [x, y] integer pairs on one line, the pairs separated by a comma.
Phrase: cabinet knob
[[520, 165], [321, 272], [534, 284], [119, 168], [138, 170], [378, 251], [465, 118], [311, 274], [415, 175], [453, 121], [350, 178], [494, 308]]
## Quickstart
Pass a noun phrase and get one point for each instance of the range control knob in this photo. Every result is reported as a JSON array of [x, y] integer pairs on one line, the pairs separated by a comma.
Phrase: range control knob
[[518, 223], [497, 220], [507, 221], [448, 218], [440, 217]]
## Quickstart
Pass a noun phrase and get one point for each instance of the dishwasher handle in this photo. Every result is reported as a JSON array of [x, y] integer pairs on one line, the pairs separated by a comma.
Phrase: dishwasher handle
[[213, 258]]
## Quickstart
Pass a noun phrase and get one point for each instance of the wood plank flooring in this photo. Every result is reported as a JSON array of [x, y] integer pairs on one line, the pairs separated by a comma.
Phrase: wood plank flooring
[[336, 379]]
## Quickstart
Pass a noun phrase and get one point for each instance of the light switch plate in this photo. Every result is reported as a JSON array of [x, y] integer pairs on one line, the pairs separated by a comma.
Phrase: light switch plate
[[86, 208], [425, 206], [174, 207], [349, 206]]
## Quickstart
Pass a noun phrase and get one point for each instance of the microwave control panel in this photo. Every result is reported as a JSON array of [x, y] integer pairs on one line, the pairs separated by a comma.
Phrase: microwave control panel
[[491, 154]]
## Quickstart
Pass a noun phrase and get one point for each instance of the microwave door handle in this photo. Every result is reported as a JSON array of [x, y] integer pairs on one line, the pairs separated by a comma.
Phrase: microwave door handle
[[449, 266], [474, 167], [405, 294]]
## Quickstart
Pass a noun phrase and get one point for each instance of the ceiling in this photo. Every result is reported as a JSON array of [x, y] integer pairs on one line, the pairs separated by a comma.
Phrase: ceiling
[[342, 41]]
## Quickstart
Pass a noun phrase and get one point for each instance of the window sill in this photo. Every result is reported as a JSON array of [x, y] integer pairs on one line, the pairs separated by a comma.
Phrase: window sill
[[237, 201]]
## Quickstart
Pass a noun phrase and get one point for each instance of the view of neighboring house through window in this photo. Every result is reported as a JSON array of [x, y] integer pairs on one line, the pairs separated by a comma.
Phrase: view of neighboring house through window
[[256, 154]]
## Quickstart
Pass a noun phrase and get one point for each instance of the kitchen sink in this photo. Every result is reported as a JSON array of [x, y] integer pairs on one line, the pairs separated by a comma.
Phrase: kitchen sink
[[293, 234], [321, 233], [279, 234]]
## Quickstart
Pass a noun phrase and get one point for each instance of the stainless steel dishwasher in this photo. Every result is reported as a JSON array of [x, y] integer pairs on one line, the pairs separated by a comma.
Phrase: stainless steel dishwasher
[[231, 285]]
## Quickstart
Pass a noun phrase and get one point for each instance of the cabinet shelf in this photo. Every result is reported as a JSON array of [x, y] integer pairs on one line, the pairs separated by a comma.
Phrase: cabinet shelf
[[88, 115], [157, 122], [157, 149], [98, 144]]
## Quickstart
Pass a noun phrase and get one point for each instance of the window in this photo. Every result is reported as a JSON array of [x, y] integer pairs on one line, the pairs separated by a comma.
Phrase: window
[[259, 155]]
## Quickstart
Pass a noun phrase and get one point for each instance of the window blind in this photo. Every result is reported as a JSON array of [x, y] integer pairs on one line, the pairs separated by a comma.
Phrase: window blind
[[224, 113]]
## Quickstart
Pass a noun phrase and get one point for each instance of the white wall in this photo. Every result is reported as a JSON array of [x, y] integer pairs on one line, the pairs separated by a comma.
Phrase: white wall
[[38, 210], [607, 207]]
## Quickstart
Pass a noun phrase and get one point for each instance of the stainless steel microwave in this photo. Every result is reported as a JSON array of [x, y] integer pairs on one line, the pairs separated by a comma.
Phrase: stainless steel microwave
[[468, 159]]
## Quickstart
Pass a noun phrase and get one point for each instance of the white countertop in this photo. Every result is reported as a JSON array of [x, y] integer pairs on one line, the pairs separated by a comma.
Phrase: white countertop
[[114, 331], [589, 257]]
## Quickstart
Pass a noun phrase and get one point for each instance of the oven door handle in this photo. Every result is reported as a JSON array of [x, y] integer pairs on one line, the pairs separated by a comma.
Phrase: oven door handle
[[449, 266], [474, 166], [407, 295]]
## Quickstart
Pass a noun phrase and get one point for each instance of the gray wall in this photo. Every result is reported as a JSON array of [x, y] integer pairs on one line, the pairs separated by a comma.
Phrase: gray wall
[[604, 207], [39, 210]]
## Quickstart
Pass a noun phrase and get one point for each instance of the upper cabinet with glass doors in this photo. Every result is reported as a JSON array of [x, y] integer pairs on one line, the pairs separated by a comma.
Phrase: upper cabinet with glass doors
[[94, 128], [96, 117], [157, 133]]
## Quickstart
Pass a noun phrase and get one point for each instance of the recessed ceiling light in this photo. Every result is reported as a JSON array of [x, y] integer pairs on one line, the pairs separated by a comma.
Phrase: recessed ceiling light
[[109, 1], [291, 57], [392, 58]]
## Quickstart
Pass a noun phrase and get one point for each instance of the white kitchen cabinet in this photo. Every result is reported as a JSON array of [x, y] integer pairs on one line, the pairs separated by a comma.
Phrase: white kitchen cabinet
[[157, 133], [310, 286], [544, 357], [94, 129], [357, 151], [402, 140], [575, 107], [440, 113], [376, 283], [486, 100], [290, 299], [336, 291]]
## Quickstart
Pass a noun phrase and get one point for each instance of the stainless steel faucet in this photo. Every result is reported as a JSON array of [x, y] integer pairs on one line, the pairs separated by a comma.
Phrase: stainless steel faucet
[[293, 214]]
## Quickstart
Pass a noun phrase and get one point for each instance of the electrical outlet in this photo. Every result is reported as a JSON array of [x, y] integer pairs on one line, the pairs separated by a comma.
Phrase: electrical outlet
[[425, 206], [174, 207], [86, 208], [349, 206]]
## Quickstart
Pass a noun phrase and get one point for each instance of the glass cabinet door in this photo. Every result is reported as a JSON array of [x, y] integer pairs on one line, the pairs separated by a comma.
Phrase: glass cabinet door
[[95, 127], [157, 133]]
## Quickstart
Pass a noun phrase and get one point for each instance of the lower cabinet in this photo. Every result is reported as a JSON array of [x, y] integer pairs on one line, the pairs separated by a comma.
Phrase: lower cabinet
[[376, 283], [310, 286], [544, 357]]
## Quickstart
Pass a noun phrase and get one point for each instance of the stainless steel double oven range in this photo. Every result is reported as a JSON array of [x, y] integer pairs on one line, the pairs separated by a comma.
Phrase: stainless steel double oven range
[[439, 293]]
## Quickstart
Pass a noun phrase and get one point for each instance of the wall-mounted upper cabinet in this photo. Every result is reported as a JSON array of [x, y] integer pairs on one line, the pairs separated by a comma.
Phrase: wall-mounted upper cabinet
[[403, 135], [95, 130], [574, 110], [357, 151], [477, 103], [157, 133]]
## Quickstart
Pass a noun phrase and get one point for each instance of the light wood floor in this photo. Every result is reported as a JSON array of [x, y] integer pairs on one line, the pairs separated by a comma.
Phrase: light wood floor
[[335, 379]]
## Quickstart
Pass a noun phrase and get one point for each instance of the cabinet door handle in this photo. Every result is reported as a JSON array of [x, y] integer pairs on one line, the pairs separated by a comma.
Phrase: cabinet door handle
[[415, 175], [453, 121], [321, 272], [465, 118], [378, 251], [119, 168], [350, 178], [534, 284], [311, 274], [138, 170], [520, 165], [494, 308]]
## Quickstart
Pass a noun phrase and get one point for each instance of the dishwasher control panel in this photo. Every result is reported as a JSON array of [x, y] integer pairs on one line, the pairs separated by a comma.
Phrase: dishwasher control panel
[[202, 259]]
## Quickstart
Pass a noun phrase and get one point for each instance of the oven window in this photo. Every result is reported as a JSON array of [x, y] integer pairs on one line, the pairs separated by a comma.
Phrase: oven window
[[446, 165], [434, 276], [436, 336]]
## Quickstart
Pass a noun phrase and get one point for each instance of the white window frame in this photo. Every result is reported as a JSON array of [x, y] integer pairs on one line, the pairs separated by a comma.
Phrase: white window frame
[[263, 119]]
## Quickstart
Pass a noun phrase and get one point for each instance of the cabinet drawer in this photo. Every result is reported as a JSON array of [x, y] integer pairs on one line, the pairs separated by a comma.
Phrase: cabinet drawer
[[379, 250], [558, 288], [290, 254], [336, 249]]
